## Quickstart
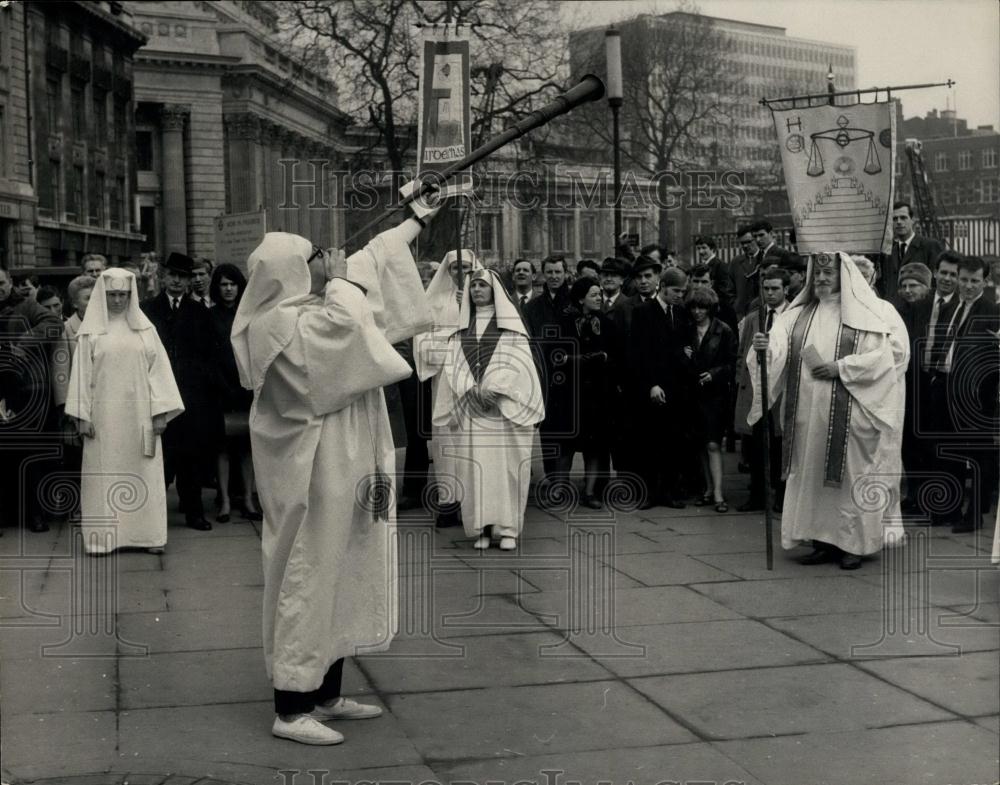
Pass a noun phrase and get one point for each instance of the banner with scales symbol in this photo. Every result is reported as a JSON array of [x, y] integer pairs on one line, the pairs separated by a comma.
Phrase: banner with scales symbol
[[839, 173]]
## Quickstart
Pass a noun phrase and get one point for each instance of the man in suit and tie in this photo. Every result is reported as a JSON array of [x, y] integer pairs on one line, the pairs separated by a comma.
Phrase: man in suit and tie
[[184, 328], [971, 367], [927, 323], [614, 303], [741, 271], [774, 291], [661, 328], [523, 277], [907, 247], [201, 277], [547, 318]]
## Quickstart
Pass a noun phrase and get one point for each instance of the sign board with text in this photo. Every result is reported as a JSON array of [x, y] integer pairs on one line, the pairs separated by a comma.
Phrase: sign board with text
[[237, 235]]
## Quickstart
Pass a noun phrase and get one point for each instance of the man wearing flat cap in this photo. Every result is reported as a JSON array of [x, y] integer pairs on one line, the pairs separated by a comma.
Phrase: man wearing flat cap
[[185, 329]]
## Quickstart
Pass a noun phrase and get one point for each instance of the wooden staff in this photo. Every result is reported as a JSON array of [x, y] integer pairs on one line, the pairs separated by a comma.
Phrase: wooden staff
[[766, 420]]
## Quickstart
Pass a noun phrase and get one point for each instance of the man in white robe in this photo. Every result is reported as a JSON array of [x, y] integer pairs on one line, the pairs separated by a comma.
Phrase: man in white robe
[[840, 365], [430, 351], [313, 339], [122, 393], [489, 401]]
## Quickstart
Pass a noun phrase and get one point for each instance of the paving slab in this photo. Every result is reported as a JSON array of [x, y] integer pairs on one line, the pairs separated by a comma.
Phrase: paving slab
[[664, 569], [795, 597], [57, 685], [627, 607], [73, 739], [679, 763], [557, 719], [753, 567], [201, 630], [776, 701], [907, 632], [927, 754], [243, 600], [483, 661], [991, 723], [240, 733], [696, 647], [968, 685]]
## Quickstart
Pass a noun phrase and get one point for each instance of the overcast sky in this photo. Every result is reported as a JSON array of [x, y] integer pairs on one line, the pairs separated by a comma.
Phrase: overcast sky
[[898, 41]]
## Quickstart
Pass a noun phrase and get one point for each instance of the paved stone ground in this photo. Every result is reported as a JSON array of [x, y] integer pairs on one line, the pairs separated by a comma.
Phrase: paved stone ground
[[627, 648]]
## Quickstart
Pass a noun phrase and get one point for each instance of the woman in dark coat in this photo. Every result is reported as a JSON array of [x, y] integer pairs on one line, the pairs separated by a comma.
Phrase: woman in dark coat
[[713, 358], [225, 291], [595, 355]]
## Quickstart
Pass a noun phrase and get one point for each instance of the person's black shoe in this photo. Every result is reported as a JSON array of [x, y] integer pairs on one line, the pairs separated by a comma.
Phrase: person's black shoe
[[647, 504], [674, 504], [449, 516], [966, 525], [751, 506], [38, 526], [818, 556], [850, 561], [591, 501], [251, 515], [200, 524]]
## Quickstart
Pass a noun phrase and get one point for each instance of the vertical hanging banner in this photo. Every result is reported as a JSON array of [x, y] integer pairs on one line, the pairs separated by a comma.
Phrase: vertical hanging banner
[[840, 175], [444, 130]]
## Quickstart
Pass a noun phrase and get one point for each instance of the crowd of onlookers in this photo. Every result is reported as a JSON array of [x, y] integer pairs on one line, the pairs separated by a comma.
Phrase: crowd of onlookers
[[643, 362], [192, 304]]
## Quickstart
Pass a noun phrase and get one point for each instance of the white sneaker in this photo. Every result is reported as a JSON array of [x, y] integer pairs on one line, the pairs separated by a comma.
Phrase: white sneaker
[[508, 544], [344, 709], [482, 543], [305, 730]]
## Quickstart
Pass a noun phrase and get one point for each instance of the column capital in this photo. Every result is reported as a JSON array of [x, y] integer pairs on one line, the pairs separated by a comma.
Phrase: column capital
[[269, 132], [173, 116], [243, 125]]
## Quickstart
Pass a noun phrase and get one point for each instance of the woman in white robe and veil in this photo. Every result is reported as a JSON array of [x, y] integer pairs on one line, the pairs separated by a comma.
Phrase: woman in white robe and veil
[[430, 351], [122, 393], [489, 401]]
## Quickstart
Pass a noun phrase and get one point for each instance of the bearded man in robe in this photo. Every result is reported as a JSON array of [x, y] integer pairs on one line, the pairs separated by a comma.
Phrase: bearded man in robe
[[313, 339], [840, 364], [489, 401]]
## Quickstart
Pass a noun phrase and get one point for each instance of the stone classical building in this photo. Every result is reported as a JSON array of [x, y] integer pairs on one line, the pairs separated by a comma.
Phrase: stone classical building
[[219, 105], [66, 160]]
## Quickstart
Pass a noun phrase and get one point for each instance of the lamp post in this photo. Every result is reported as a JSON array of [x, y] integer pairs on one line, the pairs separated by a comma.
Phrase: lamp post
[[613, 52], [829, 85]]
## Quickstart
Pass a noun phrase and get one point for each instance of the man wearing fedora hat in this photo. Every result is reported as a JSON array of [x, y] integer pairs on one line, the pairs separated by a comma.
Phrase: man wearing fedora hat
[[185, 329], [646, 274]]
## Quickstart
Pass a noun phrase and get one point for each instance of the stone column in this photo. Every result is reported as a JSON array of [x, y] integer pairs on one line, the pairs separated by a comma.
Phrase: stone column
[[172, 119], [244, 132]]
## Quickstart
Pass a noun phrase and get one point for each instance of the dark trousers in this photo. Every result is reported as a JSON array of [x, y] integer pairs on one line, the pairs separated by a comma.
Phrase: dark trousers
[[415, 397], [665, 449], [756, 460], [185, 465], [288, 702], [557, 454]]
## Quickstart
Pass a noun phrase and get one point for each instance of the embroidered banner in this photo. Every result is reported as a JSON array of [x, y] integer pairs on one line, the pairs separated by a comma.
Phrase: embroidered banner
[[839, 173], [444, 130]]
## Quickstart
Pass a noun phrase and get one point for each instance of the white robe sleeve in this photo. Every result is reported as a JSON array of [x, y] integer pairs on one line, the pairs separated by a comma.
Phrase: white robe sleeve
[[345, 353], [164, 397], [513, 377], [870, 377], [81, 379], [386, 270]]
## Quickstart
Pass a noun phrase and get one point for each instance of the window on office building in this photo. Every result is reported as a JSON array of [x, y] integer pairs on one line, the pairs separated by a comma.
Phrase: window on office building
[[53, 101], [965, 159], [79, 114], [990, 158], [144, 151], [990, 191], [100, 118], [527, 233], [941, 162]]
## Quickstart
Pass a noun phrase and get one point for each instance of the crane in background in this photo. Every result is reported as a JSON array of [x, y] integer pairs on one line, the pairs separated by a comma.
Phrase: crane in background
[[922, 194]]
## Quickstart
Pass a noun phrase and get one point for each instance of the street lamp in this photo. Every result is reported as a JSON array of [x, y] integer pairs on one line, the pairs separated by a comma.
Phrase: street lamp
[[613, 53], [829, 84]]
